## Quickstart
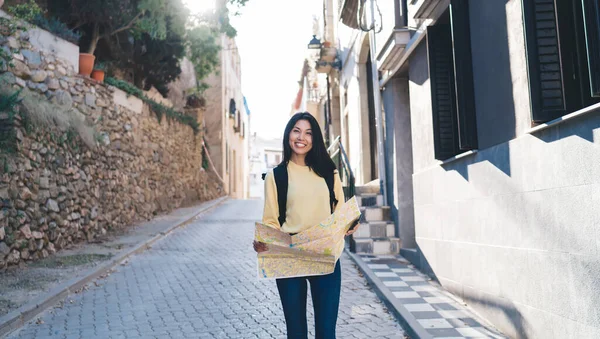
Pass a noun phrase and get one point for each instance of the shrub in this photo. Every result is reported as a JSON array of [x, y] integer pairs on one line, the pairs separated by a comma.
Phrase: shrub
[[57, 28], [101, 66], [32, 13], [27, 11], [158, 109], [8, 103]]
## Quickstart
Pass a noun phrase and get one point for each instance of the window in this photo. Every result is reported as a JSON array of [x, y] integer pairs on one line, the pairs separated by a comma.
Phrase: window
[[232, 108], [238, 122], [451, 77], [591, 17], [563, 55]]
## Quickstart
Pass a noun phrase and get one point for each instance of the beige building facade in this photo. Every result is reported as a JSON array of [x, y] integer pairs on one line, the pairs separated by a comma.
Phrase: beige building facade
[[226, 122]]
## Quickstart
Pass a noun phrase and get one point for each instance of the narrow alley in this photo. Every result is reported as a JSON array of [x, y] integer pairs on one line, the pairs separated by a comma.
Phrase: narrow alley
[[200, 282]]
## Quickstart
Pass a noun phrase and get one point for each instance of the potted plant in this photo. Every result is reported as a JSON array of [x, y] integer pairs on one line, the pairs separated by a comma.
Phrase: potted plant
[[105, 19], [99, 71]]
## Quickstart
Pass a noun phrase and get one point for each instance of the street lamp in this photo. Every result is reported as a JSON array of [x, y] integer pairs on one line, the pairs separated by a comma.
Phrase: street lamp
[[314, 43]]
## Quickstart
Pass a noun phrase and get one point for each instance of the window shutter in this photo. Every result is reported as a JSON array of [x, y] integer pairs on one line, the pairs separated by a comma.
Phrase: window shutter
[[591, 16], [463, 71], [443, 99], [543, 57]]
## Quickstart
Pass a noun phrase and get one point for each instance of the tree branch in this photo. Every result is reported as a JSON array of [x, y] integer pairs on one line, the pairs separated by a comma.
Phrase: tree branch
[[78, 25], [126, 27]]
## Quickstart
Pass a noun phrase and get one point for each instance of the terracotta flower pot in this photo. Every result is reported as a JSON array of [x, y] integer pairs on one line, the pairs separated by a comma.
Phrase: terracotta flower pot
[[98, 75], [86, 63]]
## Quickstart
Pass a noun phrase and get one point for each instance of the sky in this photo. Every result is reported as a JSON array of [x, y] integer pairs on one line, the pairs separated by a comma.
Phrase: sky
[[272, 40]]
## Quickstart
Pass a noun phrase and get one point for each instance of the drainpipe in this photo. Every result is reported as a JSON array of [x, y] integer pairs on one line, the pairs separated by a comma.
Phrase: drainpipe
[[378, 111]]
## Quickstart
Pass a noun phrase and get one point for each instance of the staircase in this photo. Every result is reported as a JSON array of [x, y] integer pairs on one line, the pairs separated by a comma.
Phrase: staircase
[[376, 234]]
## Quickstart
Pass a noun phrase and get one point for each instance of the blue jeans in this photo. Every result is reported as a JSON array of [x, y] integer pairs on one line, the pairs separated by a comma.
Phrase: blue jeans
[[325, 291]]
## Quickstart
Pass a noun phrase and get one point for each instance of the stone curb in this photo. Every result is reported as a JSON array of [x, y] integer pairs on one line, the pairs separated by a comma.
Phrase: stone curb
[[406, 319], [17, 318]]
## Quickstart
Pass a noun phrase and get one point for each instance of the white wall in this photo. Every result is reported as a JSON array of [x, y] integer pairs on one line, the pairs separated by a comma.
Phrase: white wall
[[46, 42]]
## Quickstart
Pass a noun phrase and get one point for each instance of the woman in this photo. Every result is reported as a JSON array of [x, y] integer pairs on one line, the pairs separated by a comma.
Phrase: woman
[[308, 203]]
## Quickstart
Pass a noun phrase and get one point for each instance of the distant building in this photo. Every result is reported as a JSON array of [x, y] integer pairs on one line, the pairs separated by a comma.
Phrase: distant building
[[264, 155], [226, 121]]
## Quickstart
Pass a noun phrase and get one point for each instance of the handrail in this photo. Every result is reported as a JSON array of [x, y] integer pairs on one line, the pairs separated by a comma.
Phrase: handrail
[[344, 164], [333, 144]]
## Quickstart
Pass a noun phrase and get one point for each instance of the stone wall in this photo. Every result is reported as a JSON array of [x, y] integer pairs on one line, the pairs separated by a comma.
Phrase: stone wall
[[89, 159]]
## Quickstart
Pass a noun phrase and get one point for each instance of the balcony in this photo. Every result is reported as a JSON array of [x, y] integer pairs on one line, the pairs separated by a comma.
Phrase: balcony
[[428, 9], [391, 52], [328, 59]]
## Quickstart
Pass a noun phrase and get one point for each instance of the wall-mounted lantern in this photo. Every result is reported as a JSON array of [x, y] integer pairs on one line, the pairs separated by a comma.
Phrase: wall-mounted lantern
[[328, 56], [314, 43]]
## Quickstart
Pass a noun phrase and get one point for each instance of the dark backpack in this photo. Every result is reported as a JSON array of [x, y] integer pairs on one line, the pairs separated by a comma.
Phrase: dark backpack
[[281, 181]]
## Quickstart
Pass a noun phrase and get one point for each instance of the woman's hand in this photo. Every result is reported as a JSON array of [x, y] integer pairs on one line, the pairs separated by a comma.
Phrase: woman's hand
[[352, 230], [260, 246]]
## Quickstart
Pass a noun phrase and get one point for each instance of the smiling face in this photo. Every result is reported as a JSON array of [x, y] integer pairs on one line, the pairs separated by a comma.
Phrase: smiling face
[[301, 138]]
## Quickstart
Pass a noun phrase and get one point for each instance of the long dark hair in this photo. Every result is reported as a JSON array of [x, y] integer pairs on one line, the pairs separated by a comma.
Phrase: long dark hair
[[317, 158]]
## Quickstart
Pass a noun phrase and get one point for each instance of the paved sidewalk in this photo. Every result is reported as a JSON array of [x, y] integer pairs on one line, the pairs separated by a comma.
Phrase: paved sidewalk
[[425, 308], [32, 289]]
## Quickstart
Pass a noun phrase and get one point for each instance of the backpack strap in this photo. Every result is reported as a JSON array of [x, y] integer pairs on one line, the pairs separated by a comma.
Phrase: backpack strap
[[281, 181], [329, 179]]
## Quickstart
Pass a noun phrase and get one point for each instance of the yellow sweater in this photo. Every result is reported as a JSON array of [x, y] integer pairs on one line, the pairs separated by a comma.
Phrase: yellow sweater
[[307, 199]]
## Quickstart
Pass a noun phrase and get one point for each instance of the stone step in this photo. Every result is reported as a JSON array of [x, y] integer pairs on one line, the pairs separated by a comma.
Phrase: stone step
[[372, 189], [376, 213], [376, 246], [369, 199], [375, 229], [410, 254]]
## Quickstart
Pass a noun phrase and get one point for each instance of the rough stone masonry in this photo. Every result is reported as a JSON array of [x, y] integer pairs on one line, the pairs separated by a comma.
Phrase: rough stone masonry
[[95, 161]]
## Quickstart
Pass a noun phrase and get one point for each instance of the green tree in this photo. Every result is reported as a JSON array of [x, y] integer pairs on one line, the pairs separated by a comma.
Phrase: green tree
[[149, 37], [154, 61], [202, 39], [105, 19], [219, 20], [204, 50]]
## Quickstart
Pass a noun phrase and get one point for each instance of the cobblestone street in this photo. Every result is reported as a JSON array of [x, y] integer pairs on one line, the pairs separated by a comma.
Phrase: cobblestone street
[[200, 282]]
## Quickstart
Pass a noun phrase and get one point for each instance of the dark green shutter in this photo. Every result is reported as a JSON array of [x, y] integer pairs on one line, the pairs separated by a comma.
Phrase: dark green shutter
[[443, 98], [591, 15], [543, 57], [463, 71]]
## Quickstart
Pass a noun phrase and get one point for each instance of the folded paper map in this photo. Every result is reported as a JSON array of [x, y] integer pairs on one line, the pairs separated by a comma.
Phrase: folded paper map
[[314, 251]]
